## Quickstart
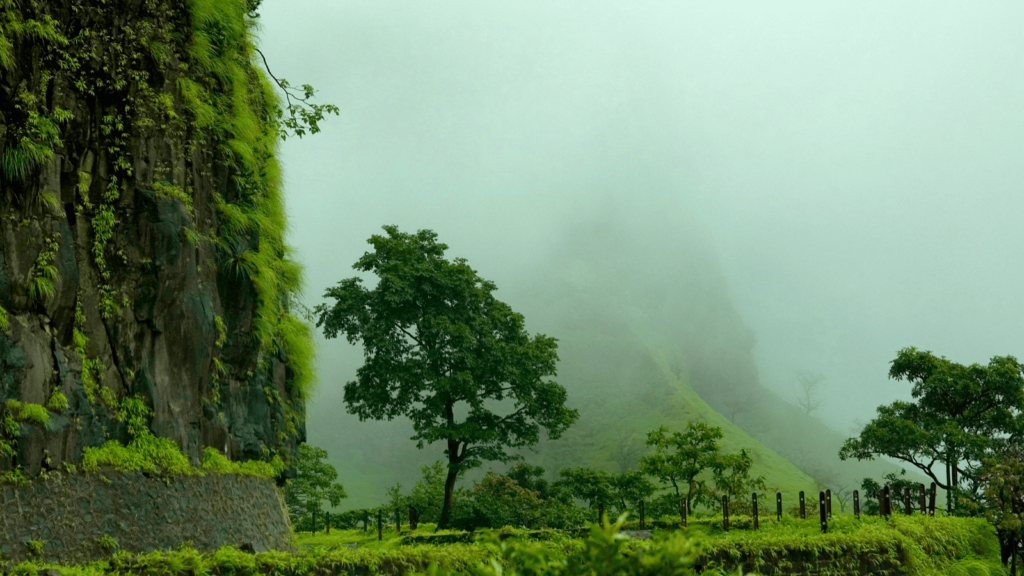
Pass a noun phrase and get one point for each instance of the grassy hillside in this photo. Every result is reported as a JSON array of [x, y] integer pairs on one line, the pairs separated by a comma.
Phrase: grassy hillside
[[622, 387], [647, 337]]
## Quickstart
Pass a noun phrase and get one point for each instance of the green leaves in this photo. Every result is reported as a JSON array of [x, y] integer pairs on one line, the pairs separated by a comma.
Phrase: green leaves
[[437, 343], [960, 415], [314, 483]]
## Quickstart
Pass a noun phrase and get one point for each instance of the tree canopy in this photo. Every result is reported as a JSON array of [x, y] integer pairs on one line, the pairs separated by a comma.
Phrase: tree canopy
[[440, 349], [680, 457], [959, 415], [314, 484]]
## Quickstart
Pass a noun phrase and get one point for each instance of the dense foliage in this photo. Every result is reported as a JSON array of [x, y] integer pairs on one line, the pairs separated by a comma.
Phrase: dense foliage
[[969, 419], [313, 484], [436, 343]]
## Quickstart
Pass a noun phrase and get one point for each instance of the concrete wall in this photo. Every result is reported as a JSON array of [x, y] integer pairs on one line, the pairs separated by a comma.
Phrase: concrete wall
[[69, 513]]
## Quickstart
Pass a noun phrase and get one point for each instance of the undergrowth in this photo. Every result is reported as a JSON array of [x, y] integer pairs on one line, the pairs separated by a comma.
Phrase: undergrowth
[[161, 456]]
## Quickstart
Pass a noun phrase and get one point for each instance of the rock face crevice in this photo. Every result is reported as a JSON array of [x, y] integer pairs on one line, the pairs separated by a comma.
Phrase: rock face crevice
[[129, 216]]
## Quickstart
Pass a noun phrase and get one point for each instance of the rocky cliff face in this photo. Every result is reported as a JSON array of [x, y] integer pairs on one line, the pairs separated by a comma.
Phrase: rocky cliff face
[[141, 233]]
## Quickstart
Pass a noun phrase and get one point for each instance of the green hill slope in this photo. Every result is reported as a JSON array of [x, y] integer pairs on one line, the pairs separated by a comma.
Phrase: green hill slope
[[648, 336]]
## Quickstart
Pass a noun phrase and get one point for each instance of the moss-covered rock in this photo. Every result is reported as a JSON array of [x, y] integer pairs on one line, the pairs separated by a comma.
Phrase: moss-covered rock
[[142, 247]]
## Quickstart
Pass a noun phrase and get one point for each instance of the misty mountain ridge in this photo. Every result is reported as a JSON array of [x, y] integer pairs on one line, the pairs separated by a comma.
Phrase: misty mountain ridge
[[647, 336]]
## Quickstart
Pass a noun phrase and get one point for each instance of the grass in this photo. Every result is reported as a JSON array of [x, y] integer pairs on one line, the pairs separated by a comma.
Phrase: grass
[[919, 545], [916, 546]]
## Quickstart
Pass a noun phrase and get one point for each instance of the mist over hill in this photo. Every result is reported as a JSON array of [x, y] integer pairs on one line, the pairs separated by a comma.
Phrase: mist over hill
[[647, 336]]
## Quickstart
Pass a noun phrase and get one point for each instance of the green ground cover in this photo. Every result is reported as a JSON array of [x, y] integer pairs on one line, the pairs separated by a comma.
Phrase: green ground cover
[[915, 546]]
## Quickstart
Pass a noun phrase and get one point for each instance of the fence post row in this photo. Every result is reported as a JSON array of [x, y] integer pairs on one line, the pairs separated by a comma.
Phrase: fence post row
[[643, 523], [803, 509], [828, 502], [682, 510], [725, 512], [856, 504], [823, 512], [778, 506], [753, 509], [931, 500]]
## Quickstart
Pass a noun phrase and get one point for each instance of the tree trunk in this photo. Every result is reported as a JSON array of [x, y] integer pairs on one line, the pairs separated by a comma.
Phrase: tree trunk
[[454, 458]]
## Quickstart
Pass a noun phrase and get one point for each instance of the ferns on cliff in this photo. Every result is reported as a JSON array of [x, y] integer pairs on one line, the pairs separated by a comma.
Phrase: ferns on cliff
[[44, 275], [232, 101]]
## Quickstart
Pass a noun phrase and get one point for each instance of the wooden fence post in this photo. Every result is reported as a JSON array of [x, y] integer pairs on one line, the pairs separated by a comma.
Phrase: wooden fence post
[[931, 500], [414, 518], [923, 504], [398, 521], [778, 506], [803, 509], [725, 512], [327, 521], [856, 504], [823, 512], [753, 509], [828, 502], [885, 502], [682, 510], [643, 523], [380, 524], [908, 507]]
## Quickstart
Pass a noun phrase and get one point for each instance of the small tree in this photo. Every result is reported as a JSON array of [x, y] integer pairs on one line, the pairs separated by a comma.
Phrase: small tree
[[1003, 477], [314, 483], [809, 399], [630, 487], [735, 405], [592, 486], [437, 344], [628, 450], [731, 474], [680, 457]]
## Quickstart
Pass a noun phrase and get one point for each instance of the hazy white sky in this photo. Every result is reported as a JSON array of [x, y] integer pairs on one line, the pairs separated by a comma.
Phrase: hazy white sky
[[856, 166]]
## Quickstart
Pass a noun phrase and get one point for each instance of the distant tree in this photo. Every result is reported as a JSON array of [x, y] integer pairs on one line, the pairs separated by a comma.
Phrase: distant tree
[[314, 484], [436, 344], [842, 494], [680, 457], [629, 488], [735, 404], [592, 486], [732, 477], [960, 416], [628, 450], [530, 477], [809, 399]]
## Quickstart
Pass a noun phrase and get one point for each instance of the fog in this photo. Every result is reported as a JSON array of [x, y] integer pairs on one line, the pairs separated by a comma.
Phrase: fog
[[851, 171]]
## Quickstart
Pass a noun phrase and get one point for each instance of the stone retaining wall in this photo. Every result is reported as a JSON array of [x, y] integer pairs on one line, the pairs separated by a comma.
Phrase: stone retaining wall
[[70, 514]]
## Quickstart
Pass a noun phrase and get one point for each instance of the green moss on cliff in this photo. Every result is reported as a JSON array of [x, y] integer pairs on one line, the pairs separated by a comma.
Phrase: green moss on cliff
[[232, 102], [168, 104]]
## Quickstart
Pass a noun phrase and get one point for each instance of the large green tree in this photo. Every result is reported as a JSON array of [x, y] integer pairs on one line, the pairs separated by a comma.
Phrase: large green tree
[[959, 429], [959, 415], [441, 350]]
